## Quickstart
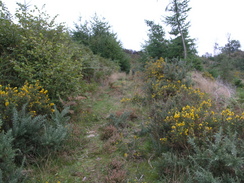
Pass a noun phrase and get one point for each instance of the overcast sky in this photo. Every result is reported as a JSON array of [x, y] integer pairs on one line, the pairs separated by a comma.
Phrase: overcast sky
[[211, 20]]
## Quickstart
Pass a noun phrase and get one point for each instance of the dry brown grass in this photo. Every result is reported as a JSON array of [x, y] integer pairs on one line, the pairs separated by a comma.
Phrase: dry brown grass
[[215, 88]]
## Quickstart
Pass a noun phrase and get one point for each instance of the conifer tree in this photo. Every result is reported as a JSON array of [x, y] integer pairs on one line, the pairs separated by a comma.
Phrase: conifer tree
[[157, 45], [98, 36], [178, 20]]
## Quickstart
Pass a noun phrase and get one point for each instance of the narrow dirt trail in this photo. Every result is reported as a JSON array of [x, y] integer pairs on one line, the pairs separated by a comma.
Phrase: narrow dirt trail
[[103, 147], [93, 165]]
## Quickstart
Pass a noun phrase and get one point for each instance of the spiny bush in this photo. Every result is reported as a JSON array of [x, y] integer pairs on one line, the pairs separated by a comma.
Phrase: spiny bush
[[178, 111], [163, 79], [217, 160], [9, 172], [35, 135], [197, 121], [34, 95]]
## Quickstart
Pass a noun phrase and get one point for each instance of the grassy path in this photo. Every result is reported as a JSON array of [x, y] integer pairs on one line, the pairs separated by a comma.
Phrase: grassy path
[[104, 147]]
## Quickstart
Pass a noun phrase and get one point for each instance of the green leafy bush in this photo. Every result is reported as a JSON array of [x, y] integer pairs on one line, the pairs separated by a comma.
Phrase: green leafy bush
[[40, 50]]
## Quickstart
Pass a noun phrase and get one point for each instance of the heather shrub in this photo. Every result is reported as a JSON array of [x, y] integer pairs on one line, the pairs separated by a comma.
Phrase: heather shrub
[[116, 172], [108, 132]]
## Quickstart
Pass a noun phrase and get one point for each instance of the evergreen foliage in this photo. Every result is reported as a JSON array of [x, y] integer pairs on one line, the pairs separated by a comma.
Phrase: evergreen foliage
[[178, 22], [181, 45], [97, 35], [157, 45], [9, 172], [218, 160], [33, 135]]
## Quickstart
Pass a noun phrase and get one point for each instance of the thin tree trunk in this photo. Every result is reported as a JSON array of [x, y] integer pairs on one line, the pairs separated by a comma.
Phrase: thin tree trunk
[[180, 30], [184, 44]]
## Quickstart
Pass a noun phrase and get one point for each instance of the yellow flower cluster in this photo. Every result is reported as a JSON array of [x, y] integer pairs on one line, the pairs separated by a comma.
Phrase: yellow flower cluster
[[33, 94], [155, 69], [125, 100], [228, 115], [197, 119]]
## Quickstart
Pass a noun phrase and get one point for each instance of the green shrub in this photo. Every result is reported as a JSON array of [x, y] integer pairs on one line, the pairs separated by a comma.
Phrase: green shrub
[[178, 111], [218, 160], [34, 95], [238, 82], [34, 135], [195, 62], [97, 35], [9, 172], [40, 50], [171, 167], [57, 131], [95, 67], [26, 130], [214, 72]]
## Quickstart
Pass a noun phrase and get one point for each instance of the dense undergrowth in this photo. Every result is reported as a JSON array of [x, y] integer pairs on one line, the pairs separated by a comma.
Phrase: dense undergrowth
[[43, 71], [67, 115], [195, 139]]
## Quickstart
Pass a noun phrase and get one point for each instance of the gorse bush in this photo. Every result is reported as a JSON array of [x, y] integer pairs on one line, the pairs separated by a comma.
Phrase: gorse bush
[[9, 172], [35, 135], [183, 125], [198, 121], [179, 111], [34, 95], [31, 125], [217, 160], [164, 78]]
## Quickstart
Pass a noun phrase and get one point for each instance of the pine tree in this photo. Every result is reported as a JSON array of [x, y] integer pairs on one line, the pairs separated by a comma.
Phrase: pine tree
[[156, 46]]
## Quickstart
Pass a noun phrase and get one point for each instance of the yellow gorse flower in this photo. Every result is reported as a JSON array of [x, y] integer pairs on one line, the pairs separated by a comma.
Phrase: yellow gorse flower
[[6, 103]]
